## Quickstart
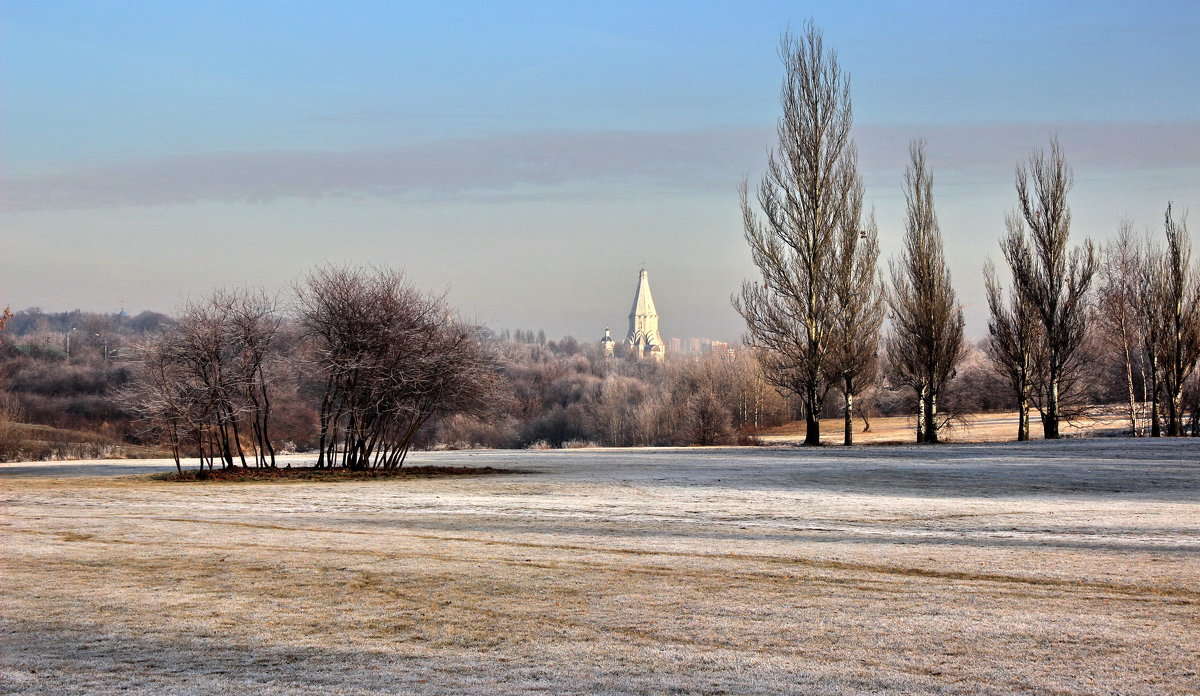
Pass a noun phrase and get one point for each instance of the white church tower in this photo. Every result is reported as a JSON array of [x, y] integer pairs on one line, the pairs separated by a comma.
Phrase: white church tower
[[607, 343], [643, 337]]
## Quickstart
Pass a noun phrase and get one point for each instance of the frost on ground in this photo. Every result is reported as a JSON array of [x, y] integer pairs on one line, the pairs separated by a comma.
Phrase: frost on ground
[[1068, 567]]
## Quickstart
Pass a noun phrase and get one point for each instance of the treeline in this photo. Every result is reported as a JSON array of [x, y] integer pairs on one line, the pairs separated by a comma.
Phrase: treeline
[[237, 376], [565, 394], [64, 369], [360, 367], [816, 315]]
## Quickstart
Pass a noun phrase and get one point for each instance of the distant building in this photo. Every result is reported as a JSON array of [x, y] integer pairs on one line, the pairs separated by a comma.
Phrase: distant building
[[676, 345], [643, 338], [607, 343]]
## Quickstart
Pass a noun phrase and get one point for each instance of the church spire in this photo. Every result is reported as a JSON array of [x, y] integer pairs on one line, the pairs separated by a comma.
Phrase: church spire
[[643, 334]]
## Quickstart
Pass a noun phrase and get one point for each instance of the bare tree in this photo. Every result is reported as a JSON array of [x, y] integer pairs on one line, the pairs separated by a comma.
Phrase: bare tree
[[391, 359], [859, 297], [5, 315], [1117, 313], [1179, 345], [926, 339], [1051, 278], [805, 199], [1150, 298], [253, 322], [167, 403], [207, 377], [1012, 340], [708, 421], [7, 409]]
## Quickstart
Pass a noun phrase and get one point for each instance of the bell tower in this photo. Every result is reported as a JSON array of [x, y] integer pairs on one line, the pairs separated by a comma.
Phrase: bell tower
[[643, 337]]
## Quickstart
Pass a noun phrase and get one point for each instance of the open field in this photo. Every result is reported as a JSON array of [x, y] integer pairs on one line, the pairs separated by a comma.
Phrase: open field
[[1068, 567]]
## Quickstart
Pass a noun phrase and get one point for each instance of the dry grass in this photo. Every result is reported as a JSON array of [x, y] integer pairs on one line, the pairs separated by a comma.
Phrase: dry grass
[[975, 427], [30, 442], [1043, 568]]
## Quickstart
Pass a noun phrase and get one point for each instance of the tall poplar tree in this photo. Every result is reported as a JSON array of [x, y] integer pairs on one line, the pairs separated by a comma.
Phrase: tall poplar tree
[[1053, 279], [809, 194], [926, 342]]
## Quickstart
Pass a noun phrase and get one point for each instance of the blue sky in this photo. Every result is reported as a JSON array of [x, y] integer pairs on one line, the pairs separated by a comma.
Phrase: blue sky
[[530, 157]]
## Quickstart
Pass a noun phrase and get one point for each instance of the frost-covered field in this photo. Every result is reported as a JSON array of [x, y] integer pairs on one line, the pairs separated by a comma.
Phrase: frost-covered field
[[1044, 568]]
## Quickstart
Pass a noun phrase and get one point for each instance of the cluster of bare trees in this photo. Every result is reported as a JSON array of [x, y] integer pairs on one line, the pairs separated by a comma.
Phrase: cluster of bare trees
[[1148, 309], [206, 380], [1037, 331], [814, 316], [388, 358], [1141, 300], [568, 394], [391, 358]]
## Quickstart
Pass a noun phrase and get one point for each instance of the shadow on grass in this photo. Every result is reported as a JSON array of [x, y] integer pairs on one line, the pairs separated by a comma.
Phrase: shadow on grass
[[309, 473]]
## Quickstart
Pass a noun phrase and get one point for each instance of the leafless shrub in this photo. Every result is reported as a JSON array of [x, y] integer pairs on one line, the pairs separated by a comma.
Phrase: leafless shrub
[[206, 379], [391, 358], [707, 420]]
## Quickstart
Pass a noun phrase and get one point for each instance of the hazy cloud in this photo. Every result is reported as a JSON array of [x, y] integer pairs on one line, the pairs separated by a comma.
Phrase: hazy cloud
[[695, 160]]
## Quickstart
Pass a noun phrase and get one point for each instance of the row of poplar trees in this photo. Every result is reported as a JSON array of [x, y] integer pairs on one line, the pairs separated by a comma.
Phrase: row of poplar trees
[[816, 315]]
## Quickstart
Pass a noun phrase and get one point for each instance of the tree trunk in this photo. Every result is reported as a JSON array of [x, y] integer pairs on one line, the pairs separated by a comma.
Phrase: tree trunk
[[848, 437], [1133, 425], [1175, 413], [266, 421], [1023, 415], [226, 452], [920, 414], [1050, 421], [812, 417], [1155, 426], [237, 438], [931, 424]]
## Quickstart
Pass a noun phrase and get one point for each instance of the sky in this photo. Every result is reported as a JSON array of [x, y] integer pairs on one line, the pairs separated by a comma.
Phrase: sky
[[527, 159]]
